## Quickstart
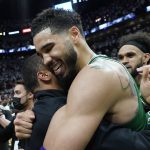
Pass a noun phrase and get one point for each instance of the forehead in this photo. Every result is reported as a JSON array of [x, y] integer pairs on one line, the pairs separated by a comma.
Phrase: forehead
[[129, 49], [45, 37], [19, 87]]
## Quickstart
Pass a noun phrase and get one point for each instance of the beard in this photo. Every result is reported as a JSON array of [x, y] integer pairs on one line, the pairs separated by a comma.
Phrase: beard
[[134, 73], [70, 60]]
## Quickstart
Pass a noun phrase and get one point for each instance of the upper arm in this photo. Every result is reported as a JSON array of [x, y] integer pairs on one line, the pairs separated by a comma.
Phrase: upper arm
[[89, 99]]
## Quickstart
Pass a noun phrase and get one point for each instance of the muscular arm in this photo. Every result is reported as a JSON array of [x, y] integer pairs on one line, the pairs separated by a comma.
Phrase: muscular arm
[[91, 95]]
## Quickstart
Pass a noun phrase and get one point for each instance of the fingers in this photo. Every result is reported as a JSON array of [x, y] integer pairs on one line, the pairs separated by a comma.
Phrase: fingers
[[23, 124], [145, 72], [27, 116], [21, 136]]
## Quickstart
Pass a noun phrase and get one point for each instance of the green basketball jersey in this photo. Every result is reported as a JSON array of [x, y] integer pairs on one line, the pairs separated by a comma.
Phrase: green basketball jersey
[[141, 120]]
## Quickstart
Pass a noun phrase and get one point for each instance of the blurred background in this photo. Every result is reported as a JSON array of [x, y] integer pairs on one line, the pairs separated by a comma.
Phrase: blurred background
[[104, 22]]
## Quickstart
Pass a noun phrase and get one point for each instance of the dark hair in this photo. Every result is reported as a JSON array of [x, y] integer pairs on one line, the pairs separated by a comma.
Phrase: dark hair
[[58, 19], [21, 81], [31, 66], [141, 39]]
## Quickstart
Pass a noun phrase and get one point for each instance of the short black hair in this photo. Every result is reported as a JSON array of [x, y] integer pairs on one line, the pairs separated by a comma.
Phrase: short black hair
[[19, 82], [58, 19], [31, 66], [141, 38]]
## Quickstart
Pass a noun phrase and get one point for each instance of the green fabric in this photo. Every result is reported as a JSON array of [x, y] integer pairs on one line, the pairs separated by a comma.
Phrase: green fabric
[[140, 121]]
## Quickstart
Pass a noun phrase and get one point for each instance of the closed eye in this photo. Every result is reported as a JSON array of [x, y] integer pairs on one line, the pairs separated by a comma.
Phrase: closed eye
[[48, 47]]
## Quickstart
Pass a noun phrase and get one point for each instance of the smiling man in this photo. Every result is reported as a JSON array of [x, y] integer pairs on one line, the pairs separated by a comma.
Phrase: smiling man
[[102, 87], [59, 40]]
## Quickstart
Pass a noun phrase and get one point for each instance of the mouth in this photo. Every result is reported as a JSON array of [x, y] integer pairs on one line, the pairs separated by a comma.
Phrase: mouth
[[128, 67], [58, 68]]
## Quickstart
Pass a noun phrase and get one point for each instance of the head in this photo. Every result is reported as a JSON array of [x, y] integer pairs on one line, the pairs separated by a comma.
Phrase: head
[[36, 76], [134, 51], [22, 98], [54, 34]]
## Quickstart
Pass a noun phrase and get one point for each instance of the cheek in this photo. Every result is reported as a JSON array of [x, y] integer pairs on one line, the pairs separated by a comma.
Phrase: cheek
[[23, 100], [135, 63]]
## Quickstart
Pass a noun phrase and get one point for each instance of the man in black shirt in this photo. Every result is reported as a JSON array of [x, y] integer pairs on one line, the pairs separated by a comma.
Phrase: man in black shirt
[[49, 97]]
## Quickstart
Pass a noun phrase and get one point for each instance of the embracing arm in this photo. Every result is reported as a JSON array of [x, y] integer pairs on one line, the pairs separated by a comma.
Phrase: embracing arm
[[88, 100]]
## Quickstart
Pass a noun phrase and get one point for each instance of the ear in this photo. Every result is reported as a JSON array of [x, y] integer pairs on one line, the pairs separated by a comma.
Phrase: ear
[[44, 75], [146, 59], [74, 34], [30, 95]]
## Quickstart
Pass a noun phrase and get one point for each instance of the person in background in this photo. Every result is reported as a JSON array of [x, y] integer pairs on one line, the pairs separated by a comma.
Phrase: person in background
[[22, 100], [134, 52]]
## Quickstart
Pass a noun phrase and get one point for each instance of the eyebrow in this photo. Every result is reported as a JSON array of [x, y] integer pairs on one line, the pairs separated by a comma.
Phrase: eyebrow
[[127, 53]]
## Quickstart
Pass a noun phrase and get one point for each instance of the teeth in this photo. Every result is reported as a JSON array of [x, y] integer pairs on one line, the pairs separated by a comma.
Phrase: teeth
[[56, 67]]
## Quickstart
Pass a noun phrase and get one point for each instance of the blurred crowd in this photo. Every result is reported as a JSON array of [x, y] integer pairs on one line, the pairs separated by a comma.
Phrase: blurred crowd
[[10, 73], [108, 45], [113, 11], [10, 66]]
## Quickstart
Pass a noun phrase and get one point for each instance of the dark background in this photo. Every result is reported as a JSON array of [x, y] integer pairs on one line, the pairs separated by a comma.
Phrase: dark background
[[27, 9]]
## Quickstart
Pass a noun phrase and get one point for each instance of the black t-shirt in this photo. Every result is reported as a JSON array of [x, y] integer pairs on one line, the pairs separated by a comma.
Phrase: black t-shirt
[[47, 103]]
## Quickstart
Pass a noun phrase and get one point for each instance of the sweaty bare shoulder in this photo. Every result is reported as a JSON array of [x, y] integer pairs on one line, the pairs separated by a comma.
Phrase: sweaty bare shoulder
[[92, 87], [91, 95], [115, 67]]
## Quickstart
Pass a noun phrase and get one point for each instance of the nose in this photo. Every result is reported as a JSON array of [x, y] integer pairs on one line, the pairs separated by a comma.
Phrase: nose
[[46, 59], [125, 61]]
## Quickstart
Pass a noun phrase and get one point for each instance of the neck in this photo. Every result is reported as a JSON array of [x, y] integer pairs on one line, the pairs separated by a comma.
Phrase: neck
[[84, 55], [47, 87], [29, 106]]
